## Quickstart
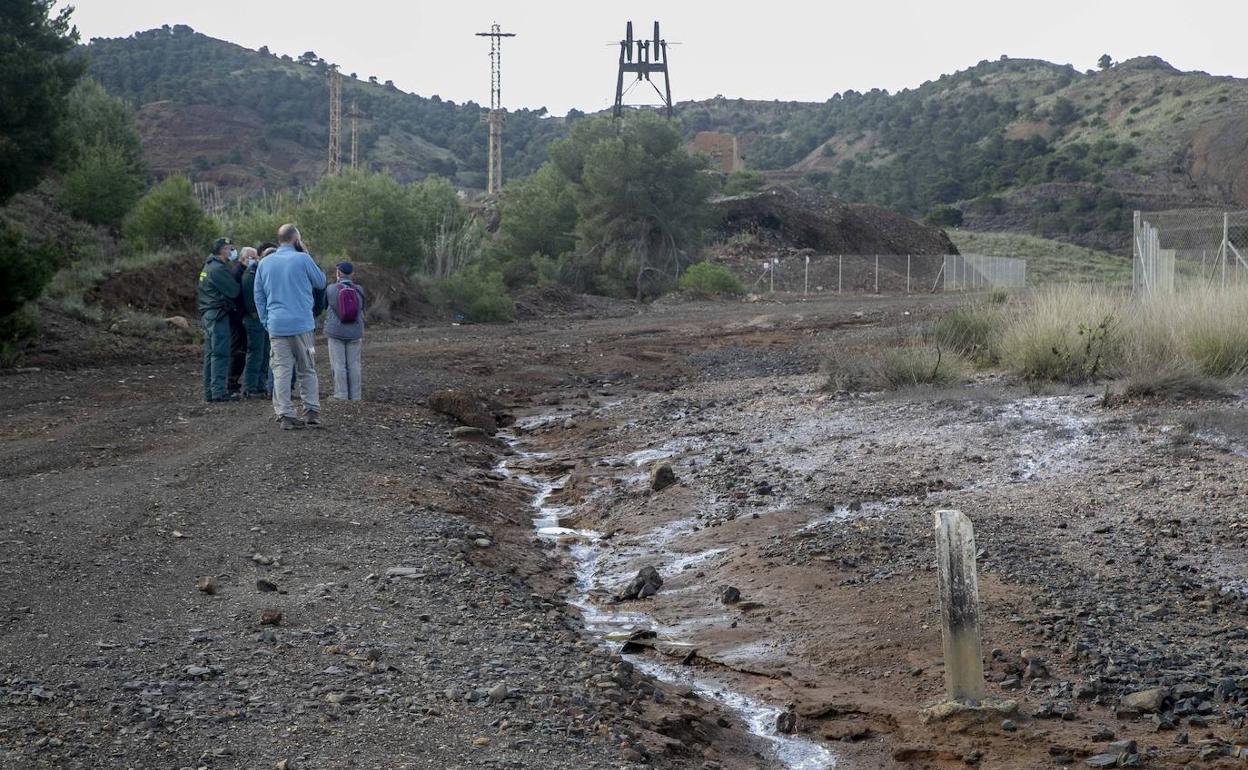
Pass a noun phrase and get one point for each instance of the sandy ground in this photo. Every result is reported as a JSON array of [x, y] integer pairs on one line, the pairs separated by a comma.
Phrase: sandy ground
[[1112, 559]]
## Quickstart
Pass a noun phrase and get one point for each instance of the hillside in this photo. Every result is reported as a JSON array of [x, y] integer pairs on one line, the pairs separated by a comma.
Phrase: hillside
[[1017, 145], [251, 120]]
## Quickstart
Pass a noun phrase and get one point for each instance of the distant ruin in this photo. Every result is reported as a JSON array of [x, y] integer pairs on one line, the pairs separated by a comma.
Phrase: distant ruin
[[720, 148]]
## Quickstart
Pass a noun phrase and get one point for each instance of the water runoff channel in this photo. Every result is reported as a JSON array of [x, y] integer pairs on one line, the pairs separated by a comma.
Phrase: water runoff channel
[[612, 625]]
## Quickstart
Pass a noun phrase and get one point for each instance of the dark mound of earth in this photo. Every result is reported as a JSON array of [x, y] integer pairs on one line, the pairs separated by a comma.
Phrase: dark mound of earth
[[782, 218]]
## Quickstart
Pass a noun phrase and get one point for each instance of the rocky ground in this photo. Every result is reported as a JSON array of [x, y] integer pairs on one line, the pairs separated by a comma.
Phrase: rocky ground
[[150, 542]]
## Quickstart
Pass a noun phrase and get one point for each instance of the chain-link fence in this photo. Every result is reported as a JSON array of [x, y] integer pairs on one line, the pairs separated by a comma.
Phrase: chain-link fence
[[972, 272], [887, 274], [1189, 247]]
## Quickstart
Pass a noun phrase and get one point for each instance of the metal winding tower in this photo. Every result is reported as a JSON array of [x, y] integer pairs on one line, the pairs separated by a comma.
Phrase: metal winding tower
[[335, 121], [355, 116], [651, 59], [497, 115]]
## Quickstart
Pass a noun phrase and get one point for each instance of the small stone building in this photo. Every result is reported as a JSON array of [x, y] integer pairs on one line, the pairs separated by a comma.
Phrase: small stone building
[[720, 148]]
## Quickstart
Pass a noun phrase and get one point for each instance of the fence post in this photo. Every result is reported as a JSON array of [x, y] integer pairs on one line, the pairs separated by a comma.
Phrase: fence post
[[959, 607], [806, 279], [839, 260], [877, 273], [907, 274], [1226, 239]]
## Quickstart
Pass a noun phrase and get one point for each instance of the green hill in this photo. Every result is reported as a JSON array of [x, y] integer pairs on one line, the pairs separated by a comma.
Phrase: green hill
[[252, 120], [1017, 145]]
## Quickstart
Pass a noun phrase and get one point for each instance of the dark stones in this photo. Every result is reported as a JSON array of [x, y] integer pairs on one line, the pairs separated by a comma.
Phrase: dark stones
[[661, 477], [646, 584]]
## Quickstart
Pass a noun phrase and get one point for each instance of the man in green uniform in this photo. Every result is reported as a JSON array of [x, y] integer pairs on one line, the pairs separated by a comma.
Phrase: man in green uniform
[[217, 295], [256, 372]]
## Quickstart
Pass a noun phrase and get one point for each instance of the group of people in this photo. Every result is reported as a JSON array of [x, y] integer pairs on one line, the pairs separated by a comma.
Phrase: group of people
[[258, 309]]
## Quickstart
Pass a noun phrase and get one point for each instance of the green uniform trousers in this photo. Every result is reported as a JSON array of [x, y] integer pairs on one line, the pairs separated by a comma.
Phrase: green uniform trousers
[[256, 372], [216, 326]]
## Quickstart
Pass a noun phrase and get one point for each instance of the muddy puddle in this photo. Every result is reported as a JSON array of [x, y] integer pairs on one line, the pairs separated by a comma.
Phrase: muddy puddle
[[597, 574]]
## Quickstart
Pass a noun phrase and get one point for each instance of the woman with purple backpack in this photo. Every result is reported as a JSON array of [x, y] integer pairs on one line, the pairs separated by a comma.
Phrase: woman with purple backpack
[[344, 331]]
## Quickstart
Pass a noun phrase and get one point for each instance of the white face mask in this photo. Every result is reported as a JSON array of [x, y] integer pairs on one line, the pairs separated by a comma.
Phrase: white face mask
[[233, 255]]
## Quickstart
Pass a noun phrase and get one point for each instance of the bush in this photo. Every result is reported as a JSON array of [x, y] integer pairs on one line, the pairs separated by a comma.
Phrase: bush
[[708, 280], [944, 216], [892, 368], [973, 331], [169, 216], [1070, 335], [101, 188], [477, 295], [25, 269], [741, 182]]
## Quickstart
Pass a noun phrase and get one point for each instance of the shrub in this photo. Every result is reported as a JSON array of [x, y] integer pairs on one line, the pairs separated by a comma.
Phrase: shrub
[[973, 331], [25, 269], [708, 280], [1069, 335], [169, 216], [477, 295], [741, 182], [101, 188], [907, 366], [944, 216]]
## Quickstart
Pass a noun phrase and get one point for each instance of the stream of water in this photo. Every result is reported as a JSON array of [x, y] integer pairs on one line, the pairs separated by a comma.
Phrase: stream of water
[[611, 624]]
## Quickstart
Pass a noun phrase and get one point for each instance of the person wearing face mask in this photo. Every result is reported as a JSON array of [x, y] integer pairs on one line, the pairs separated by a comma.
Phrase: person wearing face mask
[[217, 295], [256, 369], [238, 332]]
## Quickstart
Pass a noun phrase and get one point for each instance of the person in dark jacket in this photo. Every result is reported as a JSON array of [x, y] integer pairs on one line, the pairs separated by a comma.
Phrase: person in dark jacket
[[345, 336], [216, 296], [238, 332], [256, 370]]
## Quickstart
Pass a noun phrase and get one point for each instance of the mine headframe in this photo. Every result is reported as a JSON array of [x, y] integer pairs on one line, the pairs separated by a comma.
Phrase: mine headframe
[[643, 58]]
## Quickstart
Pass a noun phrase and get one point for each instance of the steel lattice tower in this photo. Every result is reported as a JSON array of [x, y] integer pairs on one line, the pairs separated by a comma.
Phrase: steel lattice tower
[[335, 121], [496, 116], [355, 116]]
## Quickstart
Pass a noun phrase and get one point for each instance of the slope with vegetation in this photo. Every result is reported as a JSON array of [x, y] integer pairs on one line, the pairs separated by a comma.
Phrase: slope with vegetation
[[1018, 145], [1048, 261], [252, 119]]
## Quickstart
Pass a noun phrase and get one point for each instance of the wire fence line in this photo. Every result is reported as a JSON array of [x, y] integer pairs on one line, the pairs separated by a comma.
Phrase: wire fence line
[[1183, 248], [888, 274]]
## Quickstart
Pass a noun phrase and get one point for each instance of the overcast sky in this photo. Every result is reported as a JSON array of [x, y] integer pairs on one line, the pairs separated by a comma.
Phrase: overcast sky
[[774, 49]]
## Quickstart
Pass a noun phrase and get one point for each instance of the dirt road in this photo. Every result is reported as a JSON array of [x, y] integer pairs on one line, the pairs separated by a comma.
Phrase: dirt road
[[423, 624]]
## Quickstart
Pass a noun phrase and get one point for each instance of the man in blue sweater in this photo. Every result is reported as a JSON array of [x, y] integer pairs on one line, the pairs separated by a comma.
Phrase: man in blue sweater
[[285, 282]]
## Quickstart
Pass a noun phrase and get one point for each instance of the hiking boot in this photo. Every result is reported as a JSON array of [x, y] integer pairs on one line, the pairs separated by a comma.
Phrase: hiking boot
[[312, 418], [226, 399], [250, 394], [286, 422]]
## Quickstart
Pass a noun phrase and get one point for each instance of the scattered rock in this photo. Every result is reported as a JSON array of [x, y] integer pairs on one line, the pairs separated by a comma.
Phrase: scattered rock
[[179, 322], [207, 585], [786, 722], [466, 408], [1148, 701], [468, 432], [646, 584], [265, 586], [271, 618], [499, 693], [482, 542], [661, 477], [729, 595]]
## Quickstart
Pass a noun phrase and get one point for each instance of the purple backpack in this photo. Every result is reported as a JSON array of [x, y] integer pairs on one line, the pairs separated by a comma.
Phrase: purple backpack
[[348, 303]]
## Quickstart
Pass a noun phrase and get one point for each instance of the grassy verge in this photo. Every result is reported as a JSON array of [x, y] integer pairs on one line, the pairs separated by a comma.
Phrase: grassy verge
[[1048, 261], [1078, 334]]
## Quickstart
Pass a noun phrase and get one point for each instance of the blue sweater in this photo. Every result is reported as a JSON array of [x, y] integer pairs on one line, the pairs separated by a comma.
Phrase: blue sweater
[[285, 281]]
